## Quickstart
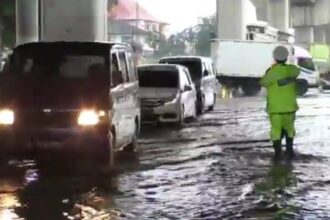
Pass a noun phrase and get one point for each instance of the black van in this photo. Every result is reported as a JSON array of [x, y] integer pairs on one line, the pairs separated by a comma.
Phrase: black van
[[203, 74], [79, 97]]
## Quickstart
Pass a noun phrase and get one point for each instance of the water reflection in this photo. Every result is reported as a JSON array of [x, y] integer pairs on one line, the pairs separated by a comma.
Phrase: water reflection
[[274, 191], [25, 194], [226, 93]]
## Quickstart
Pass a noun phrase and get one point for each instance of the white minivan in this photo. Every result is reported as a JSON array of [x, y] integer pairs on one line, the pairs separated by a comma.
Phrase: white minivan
[[77, 98], [167, 93]]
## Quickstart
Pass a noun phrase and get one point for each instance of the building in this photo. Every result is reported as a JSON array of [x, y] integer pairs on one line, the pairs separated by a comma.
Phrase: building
[[129, 21]]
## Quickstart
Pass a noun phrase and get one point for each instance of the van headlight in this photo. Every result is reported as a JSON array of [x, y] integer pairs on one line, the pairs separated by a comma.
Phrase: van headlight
[[90, 117], [7, 117]]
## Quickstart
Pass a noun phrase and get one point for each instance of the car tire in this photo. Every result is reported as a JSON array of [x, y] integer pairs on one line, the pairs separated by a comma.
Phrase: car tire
[[211, 108], [201, 105], [182, 118], [133, 146], [107, 154], [194, 116]]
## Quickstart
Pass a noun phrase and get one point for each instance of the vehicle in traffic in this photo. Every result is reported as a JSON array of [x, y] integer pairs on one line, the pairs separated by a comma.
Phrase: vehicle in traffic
[[237, 68], [79, 97], [167, 93], [202, 72], [321, 58]]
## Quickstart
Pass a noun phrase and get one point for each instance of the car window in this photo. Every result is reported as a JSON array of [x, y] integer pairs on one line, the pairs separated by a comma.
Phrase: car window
[[194, 66], [205, 70], [210, 68], [132, 73], [183, 79], [186, 71], [158, 78], [123, 66], [306, 63], [116, 74]]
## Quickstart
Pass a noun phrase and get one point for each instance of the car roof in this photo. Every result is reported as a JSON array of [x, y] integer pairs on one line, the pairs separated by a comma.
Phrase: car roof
[[161, 67], [72, 43], [185, 58]]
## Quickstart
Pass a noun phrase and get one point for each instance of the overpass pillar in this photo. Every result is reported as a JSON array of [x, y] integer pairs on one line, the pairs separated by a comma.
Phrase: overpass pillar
[[232, 18], [278, 14], [304, 35], [27, 21], [320, 34]]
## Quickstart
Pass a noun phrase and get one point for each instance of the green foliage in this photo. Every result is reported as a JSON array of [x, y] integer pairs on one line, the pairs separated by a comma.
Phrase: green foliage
[[206, 31], [198, 38], [174, 45]]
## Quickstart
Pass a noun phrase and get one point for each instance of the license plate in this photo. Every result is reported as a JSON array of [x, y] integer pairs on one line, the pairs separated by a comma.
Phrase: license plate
[[48, 144]]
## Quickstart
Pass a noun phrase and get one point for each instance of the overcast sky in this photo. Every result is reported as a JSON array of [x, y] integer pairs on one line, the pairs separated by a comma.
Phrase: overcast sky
[[180, 13]]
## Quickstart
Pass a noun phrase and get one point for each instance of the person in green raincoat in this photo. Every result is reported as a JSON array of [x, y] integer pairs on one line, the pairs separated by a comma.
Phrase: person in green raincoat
[[280, 83]]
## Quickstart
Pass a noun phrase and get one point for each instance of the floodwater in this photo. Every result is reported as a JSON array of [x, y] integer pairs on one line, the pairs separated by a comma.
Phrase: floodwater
[[218, 167]]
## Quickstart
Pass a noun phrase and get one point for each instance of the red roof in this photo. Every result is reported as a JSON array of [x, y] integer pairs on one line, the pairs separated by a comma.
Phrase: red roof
[[127, 10]]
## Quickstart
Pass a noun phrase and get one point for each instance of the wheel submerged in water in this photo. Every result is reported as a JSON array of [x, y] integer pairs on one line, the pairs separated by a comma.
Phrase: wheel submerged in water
[[251, 89], [302, 87]]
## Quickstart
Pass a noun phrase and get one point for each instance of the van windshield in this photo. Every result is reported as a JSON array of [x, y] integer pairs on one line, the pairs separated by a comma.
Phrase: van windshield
[[158, 78], [194, 67], [63, 62], [306, 63], [57, 74]]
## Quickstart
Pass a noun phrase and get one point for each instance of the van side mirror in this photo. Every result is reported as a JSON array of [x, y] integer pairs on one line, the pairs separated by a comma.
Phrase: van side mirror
[[206, 73], [187, 88]]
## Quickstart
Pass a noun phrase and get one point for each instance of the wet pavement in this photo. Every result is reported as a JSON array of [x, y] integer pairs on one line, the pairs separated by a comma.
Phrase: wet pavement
[[218, 167]]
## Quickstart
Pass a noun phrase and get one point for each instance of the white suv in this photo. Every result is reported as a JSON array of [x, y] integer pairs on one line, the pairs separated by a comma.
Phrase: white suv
[[167, 93]]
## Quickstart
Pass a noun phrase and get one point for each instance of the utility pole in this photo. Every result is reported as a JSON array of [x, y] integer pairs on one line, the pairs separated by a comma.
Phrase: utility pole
[[40, 17], [137, 17]]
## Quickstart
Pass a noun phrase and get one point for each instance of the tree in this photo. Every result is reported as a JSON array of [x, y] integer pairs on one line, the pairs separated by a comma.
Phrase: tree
[[153, 40], [7, 22], [205, 32], [174, 45]]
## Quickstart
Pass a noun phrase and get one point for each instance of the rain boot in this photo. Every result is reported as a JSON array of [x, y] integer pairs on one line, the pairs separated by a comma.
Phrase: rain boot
[[289, 148], [278, 149]]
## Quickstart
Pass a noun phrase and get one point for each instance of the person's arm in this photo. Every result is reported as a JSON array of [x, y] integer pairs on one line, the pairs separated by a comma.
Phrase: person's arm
[[267, 80], [286, 81], [292, 76], [294, 72]]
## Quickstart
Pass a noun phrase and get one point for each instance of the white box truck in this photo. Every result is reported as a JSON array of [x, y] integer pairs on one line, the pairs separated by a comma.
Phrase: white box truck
[[241, 64]]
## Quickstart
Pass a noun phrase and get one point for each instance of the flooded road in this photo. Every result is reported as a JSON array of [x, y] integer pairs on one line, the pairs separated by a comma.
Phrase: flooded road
[[218, 167]]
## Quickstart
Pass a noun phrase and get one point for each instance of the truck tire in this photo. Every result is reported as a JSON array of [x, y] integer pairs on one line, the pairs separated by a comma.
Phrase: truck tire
[[302, 87], [251, 89]]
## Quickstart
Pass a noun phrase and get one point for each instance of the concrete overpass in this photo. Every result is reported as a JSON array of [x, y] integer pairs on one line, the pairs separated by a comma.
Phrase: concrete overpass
[[309, 18]]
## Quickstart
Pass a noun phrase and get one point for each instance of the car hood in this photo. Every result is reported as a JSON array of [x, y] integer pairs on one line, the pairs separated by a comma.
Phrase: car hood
[[157, 93]]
